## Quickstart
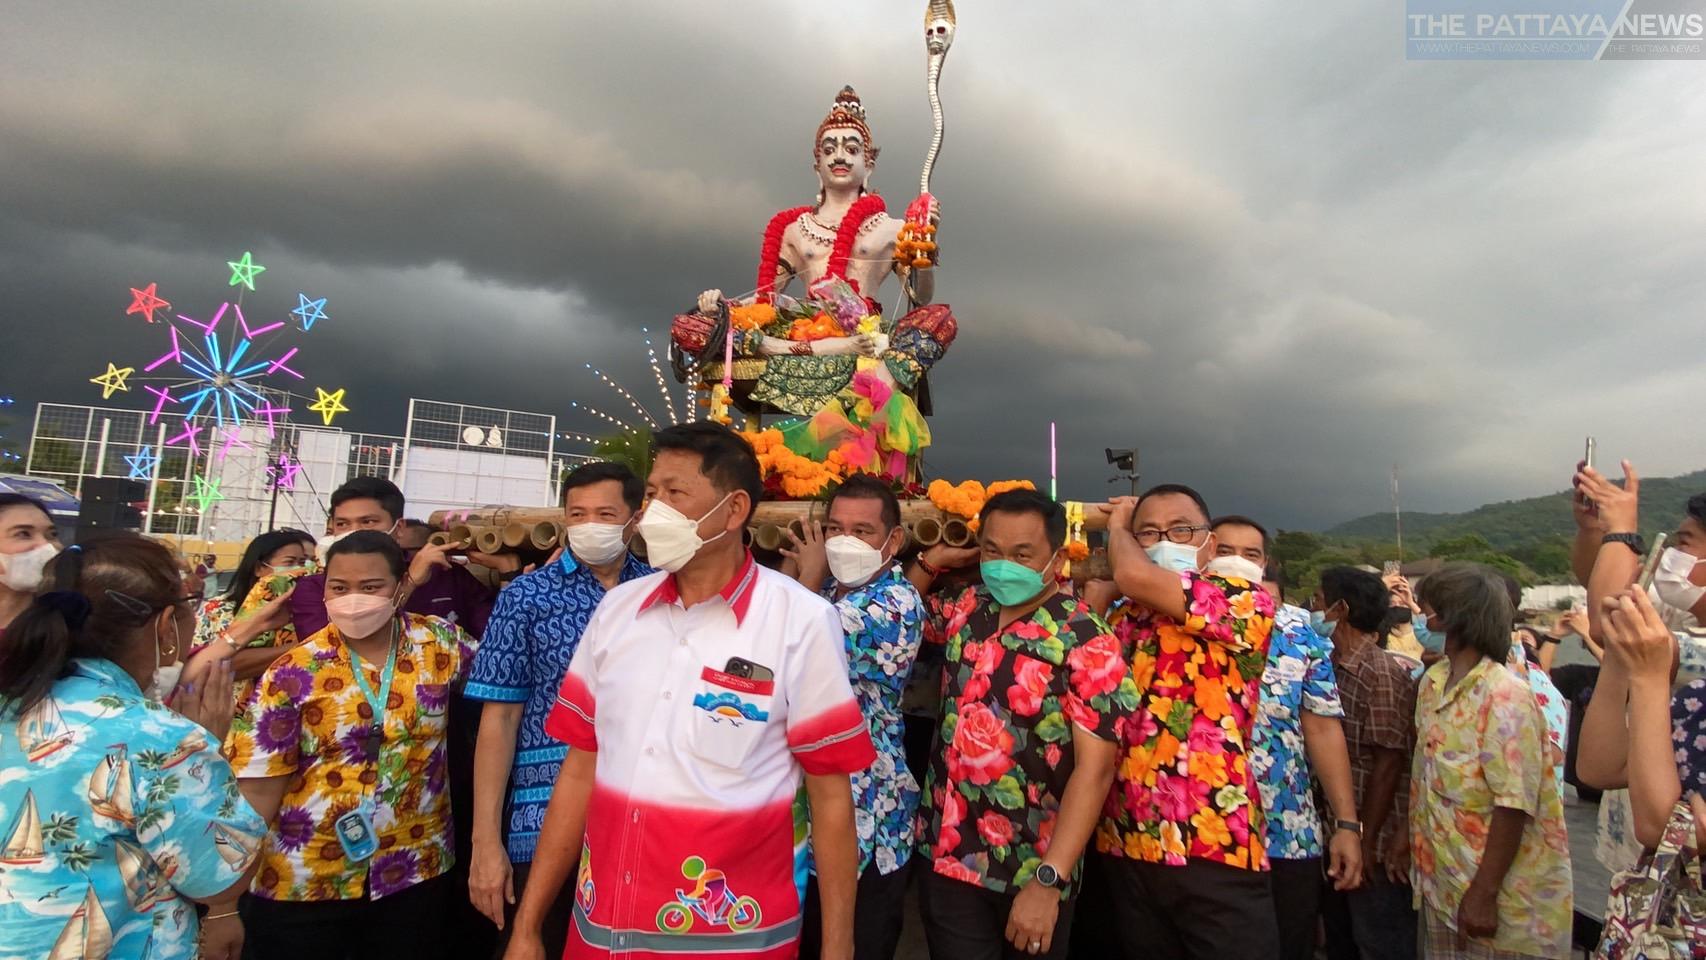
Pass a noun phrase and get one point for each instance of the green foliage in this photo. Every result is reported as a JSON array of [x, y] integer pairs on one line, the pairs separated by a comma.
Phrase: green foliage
[[632, 449]]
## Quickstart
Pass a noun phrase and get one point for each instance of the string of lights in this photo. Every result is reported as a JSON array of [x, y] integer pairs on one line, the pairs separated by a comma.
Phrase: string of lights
[[657, 374], [600, 414], [624, 394]]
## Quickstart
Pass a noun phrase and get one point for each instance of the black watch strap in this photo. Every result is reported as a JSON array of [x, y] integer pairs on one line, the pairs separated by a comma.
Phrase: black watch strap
[[1354, 826], [1633, 541]]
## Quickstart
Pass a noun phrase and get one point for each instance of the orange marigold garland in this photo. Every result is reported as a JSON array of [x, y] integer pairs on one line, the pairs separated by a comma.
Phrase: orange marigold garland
[[799, 477], [966, 499]]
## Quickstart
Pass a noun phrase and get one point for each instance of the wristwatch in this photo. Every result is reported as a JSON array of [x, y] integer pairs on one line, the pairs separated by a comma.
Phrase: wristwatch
[[1633, 541], [1354, 826], [1048, 876]]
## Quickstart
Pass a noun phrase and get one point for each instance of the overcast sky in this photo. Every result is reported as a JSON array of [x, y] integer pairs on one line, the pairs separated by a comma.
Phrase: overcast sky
[[1249, 239]]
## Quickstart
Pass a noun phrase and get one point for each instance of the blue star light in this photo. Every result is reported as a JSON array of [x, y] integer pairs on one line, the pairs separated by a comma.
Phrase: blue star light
[[310, 311], [143, 463]]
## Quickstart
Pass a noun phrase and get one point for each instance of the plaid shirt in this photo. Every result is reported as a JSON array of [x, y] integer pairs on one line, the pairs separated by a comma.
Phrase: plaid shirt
[[1379, 697]]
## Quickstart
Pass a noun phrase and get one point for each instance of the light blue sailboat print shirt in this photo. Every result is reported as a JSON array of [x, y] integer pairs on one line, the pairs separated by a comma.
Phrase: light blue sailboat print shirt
[[114, 811]]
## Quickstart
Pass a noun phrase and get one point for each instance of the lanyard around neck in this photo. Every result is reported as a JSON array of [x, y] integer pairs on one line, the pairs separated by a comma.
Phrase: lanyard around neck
[[386, 675]]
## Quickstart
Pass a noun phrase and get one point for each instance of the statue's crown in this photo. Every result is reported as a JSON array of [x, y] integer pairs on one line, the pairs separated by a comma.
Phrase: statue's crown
[[846, 111]]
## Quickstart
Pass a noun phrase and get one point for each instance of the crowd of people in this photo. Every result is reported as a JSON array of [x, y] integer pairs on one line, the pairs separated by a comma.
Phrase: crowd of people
[[362, 749]]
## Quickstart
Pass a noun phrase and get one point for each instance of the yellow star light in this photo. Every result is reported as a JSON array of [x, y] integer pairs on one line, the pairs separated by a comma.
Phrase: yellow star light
[[243, 271], [328, 405], [113, 380]]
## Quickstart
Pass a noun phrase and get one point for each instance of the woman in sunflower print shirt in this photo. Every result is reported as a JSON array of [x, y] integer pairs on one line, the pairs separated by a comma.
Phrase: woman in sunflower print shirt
[[343, 751]]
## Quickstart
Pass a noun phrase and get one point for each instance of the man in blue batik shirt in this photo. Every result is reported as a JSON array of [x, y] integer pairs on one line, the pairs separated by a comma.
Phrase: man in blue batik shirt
[[529, 640], [851, 558], [1297, 732]]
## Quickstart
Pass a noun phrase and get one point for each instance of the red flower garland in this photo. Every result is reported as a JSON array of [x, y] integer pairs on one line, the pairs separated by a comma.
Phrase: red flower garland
[[770, 254], [862, 209]]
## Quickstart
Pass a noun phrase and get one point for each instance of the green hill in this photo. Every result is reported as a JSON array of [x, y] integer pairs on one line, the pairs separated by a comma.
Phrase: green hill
[[1521, 525]]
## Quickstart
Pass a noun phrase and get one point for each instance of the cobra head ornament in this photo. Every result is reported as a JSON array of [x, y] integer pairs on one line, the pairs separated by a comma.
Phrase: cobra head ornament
[[939, 27]]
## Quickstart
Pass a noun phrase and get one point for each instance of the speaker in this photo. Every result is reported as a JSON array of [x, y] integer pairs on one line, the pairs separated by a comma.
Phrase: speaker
[[113, 490], [107, 504]]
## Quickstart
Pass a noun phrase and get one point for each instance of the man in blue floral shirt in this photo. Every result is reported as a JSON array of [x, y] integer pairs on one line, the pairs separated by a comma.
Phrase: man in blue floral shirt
[[529, 640], [851, 558], [1297, 732]]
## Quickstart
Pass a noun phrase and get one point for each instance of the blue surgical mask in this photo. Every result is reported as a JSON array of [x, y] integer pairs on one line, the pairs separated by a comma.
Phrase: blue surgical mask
[[1011, 584], [1430, 641], [1177, 557], [1321, 625]]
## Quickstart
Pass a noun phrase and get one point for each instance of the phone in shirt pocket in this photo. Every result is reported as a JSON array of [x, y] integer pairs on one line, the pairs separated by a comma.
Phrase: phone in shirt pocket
[[731, 711]]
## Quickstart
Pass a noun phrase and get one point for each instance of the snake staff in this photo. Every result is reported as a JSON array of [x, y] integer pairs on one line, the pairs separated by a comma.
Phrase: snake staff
[[939, 26]]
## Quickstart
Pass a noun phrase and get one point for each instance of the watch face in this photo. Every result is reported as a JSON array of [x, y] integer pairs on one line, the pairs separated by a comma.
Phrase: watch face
[[1048, 876]]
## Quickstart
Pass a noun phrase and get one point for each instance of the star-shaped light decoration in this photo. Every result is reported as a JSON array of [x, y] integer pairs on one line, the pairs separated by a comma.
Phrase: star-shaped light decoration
[[243, 271], [145, 302], [205, 494], [282, 475], [113, 380], [310, 311], [142, 464], [328, 405]]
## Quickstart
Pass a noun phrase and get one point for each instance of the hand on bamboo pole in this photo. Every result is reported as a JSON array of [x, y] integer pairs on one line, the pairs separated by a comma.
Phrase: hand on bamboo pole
[[806, 550]]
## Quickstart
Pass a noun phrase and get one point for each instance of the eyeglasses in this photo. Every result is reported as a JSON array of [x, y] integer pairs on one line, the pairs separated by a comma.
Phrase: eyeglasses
[[1180, 534]]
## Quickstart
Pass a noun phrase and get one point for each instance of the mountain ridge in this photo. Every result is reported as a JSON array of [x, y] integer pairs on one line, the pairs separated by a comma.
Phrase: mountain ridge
[[1513, 524]]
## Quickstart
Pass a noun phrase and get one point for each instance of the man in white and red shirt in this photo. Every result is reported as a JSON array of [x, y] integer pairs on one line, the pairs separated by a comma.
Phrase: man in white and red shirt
[[695, 701]]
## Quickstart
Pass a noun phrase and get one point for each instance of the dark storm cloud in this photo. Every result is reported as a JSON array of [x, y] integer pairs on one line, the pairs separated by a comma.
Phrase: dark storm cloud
[[1266, 251]]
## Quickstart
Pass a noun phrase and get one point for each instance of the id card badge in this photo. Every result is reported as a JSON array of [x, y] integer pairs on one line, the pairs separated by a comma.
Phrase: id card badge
[[355, 832]]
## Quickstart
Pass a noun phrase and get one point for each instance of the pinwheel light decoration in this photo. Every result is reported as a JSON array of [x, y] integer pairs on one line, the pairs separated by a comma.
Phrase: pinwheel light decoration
[[214, 369]]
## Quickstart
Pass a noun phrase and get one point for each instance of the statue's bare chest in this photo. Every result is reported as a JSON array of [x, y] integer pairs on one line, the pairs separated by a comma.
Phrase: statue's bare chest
[[813, 241]]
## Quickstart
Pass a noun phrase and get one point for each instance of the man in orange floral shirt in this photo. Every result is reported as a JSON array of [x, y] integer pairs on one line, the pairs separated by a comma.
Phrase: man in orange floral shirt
[[1181, 835]]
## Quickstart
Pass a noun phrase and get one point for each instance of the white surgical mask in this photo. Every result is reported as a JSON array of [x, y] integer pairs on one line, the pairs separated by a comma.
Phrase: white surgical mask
[[325, 542], [1233, 565], [1671, 581], [166, 675], [852, 561], [1177, 557], [672, 539], [23, 571], [596, 544]]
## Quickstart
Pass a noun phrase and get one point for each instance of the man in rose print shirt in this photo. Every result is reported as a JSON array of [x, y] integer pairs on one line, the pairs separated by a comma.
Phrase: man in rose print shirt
[[1035, 698]]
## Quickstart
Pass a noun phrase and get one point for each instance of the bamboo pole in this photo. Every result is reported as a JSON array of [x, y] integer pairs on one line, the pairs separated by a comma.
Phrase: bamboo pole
[[546, 535], [521, 528], [488, 539]]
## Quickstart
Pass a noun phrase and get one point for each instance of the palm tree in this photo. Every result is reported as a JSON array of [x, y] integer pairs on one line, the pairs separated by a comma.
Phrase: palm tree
[[78, 856], [59, 828], [631, 448]]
